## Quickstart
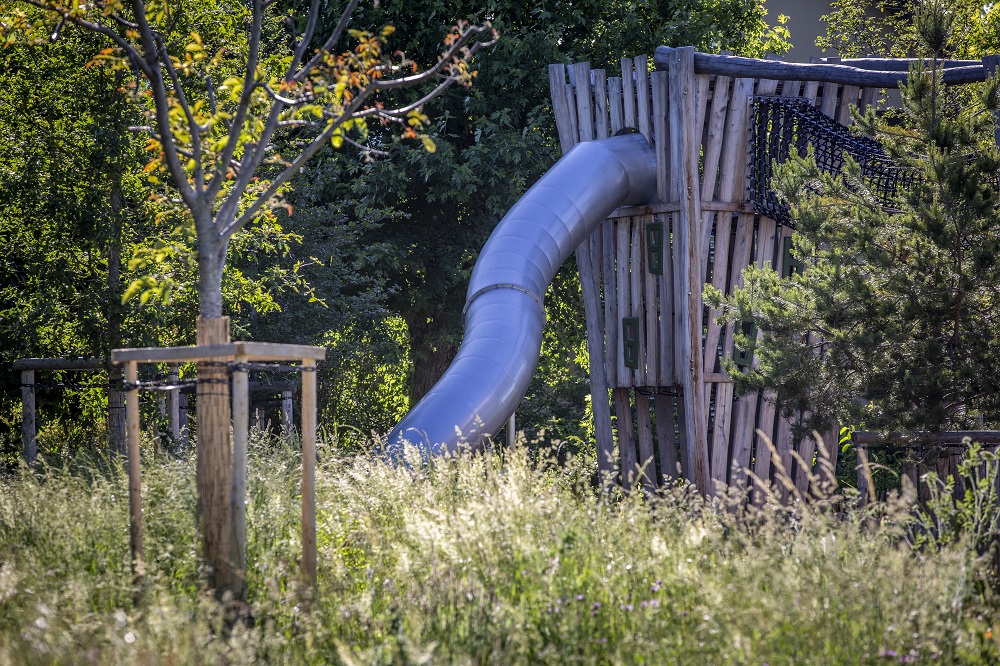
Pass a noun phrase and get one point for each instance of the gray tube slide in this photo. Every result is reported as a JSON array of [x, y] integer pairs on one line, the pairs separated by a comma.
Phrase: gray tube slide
[[504, 314]]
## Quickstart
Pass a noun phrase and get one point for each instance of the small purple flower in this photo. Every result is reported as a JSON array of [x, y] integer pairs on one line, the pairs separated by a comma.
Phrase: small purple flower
[[579, 597], [651, 603], [907, 659], [888, 653], [626, 607], [602, 640], [655, 587], [596, 604]]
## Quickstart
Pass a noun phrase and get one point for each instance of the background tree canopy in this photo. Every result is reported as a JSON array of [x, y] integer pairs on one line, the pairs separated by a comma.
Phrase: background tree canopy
[[386, 246]]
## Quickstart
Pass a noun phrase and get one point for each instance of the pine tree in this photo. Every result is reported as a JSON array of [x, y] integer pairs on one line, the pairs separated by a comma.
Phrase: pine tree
[[893, 323]]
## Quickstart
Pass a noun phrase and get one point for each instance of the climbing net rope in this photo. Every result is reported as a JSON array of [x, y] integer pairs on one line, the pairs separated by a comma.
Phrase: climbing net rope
[[781, 124]]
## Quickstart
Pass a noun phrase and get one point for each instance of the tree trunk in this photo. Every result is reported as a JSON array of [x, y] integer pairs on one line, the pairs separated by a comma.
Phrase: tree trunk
[[432, 348], [116, 397], [214, 462]]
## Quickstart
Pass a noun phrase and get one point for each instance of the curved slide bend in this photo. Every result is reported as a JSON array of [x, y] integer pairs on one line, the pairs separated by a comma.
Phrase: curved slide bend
[[504, 315]]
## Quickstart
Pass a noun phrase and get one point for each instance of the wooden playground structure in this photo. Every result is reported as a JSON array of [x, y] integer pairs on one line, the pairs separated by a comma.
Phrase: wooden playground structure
[[653, 342]]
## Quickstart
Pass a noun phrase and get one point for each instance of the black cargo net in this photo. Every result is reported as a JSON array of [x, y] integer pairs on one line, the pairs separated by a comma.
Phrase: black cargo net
[[781, 124]]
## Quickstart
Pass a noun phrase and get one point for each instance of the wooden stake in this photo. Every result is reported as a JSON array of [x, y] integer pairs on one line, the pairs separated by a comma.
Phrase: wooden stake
[[237, 498], [309, 471], [134, 469], [173, 405], [29, 447]]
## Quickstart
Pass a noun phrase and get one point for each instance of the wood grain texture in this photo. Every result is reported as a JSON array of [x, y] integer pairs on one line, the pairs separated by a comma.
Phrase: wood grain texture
[[29, 447], [557, 91], [644, 431], [584, 104], [134, 471], [615, 102], [642, 105], [684, 159], [663, 406], [626, 439], [601, 125], [628, 94], [309, 473]]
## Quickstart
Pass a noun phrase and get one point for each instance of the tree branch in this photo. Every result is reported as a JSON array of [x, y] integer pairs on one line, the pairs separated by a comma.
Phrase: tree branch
[[199, 173], [330, 42], [300, 48]]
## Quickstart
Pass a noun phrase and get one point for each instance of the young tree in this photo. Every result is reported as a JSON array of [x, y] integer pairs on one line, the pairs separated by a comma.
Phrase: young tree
[[891, 322], [222, 85]]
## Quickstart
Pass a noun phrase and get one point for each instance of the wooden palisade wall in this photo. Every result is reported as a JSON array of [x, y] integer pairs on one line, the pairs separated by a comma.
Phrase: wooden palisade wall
[[653, 343]]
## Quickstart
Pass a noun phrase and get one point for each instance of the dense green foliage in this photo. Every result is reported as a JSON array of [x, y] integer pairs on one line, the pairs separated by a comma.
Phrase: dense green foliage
[[891, 322], [474, 561]]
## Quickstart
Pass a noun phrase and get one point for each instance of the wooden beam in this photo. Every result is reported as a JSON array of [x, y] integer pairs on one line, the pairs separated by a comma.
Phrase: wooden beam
[[719, 65], [59, 364], [253, 351], [916, 440]]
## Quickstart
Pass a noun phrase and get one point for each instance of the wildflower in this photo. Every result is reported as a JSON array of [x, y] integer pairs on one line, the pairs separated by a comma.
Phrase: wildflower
[[888, 653], [579, 597]]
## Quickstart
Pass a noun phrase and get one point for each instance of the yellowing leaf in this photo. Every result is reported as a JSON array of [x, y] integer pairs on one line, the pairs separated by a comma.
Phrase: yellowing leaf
[[428, 144]]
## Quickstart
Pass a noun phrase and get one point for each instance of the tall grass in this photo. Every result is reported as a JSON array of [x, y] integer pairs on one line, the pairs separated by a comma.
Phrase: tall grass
[[478, 560]]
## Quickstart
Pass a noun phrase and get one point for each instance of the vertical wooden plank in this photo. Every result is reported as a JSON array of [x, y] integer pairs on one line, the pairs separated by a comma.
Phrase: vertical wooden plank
[[744, 409], [557, 89], [650, 314], [309, 471], [664, 284], [828, 105], [810, 91], [783, 445], [611, 319], [642, 96], [661, 129], [173, 404], [790, 88], [626, 442], [134, 469], [595, 349], [807, 448], [722, 460], [628, 93], [771, 235], [847, 100], [584, 105], [666, 445], [688, 361], [623, 237], [703, 85], [615, 110], [635, 285], [601, 127], [574, 125], [237, 499], [29, 447], [665, 296], [644, 429]]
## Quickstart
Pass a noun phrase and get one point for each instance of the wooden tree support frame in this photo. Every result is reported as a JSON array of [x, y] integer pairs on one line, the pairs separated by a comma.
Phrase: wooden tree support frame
[[238, 353]]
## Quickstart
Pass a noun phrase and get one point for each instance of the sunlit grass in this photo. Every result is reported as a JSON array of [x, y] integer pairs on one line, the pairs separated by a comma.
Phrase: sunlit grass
[[477, 560]]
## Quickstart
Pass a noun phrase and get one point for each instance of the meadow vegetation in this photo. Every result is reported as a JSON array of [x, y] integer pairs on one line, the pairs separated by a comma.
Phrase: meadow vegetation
[[505, 557]]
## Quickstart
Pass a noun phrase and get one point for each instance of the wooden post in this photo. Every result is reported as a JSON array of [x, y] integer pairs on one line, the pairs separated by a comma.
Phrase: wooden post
[[990, 64], [117, 428], [182, 420], [309, 471], [214, 465], [684, 153], [237, 499], [287, 428], [29, 448], [173, 405], [134, 470]]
